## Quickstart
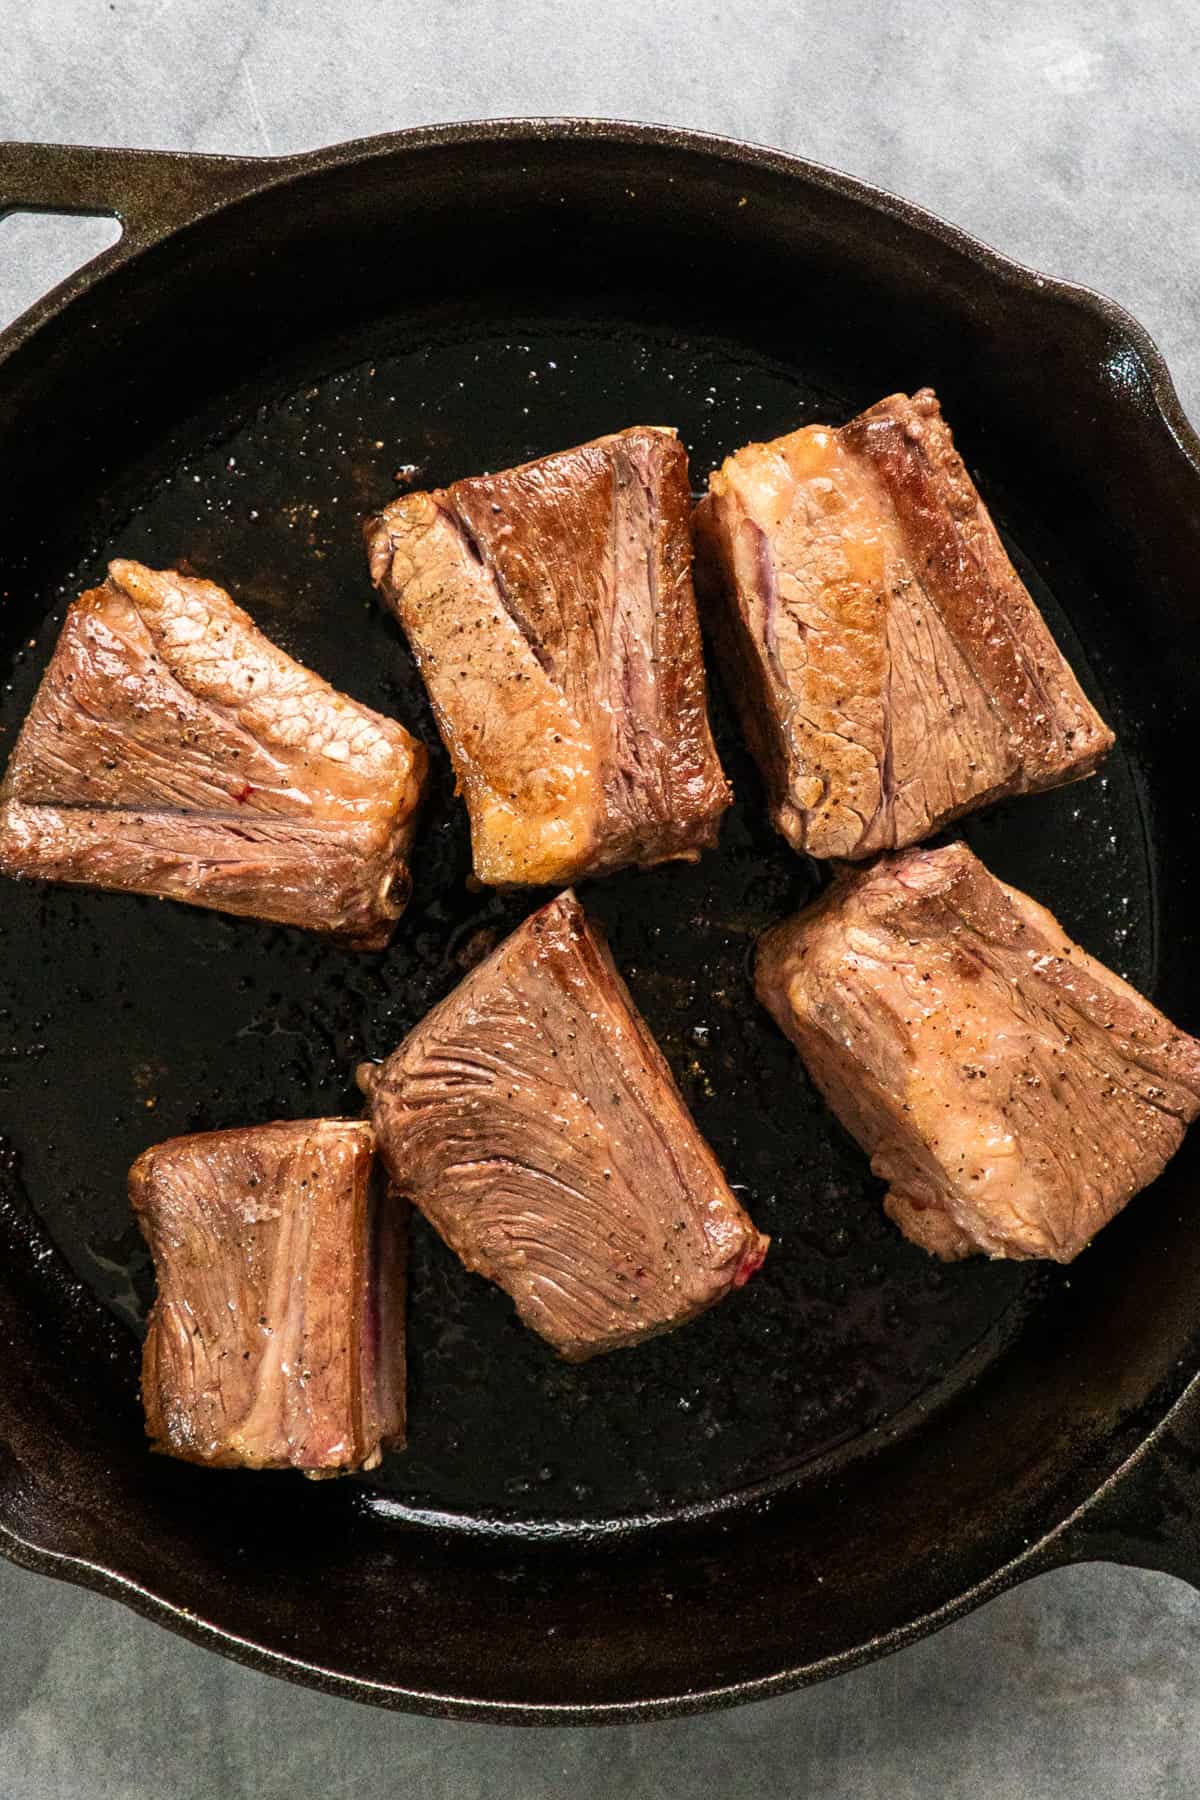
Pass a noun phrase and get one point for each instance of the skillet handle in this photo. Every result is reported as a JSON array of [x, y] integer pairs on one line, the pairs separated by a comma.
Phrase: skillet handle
[[152, 192]]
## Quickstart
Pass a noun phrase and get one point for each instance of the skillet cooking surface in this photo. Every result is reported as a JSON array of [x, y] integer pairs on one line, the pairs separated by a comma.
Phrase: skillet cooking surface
[[124, 1021]]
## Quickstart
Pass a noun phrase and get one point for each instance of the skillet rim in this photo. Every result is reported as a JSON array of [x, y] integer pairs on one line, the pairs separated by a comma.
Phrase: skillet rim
[[142, 188], [148, 216]]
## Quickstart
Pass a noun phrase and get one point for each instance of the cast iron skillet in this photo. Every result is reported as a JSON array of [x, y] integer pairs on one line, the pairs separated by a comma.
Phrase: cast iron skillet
[[862, 1444]]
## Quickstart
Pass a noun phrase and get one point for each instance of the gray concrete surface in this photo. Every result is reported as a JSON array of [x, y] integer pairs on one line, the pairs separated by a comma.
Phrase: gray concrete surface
[[1067, 136]]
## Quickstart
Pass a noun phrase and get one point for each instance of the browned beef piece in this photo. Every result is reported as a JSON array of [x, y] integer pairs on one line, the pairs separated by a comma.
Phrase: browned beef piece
[[892, 669], [551, 611], [1012, 1092], [277, 1340], [534, 1121], [172, 749]]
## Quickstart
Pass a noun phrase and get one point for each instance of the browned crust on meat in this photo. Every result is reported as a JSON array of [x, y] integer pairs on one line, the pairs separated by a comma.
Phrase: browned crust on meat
[[534, 1120], [173, 750], [559, 594], [1058, 734], [1012, 1092], [896, 578], [277, 1338]]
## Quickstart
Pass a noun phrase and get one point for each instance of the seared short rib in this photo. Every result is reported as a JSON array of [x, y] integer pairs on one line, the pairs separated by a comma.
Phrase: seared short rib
[[1012, 1092], [892, 669], [172, 749], [534, 1121], [551, 612], [277, 1339]]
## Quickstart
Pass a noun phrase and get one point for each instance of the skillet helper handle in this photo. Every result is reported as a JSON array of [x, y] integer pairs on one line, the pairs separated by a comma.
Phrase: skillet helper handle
[[152, 192], [1148, 1514]]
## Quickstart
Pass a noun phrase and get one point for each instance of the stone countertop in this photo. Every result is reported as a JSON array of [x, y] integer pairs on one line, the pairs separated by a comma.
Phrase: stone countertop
[[1067, 137]]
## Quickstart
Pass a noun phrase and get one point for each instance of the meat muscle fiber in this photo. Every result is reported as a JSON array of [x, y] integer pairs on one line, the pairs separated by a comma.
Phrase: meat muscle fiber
[[891, 668], [534, 1121], [550, 609], [277, 1339], [172, 749], [1012, 1092]]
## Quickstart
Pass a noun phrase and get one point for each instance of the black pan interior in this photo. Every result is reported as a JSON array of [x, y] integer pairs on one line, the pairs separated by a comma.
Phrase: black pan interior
[[257, 389], [145, 1020]]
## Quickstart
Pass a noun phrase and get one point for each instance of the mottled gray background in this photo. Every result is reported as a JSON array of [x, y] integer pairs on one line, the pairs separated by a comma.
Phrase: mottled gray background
[[1067, 136]]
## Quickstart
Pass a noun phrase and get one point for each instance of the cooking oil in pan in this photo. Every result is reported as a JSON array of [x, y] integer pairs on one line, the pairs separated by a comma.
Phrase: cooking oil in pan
[[124, 1020]]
